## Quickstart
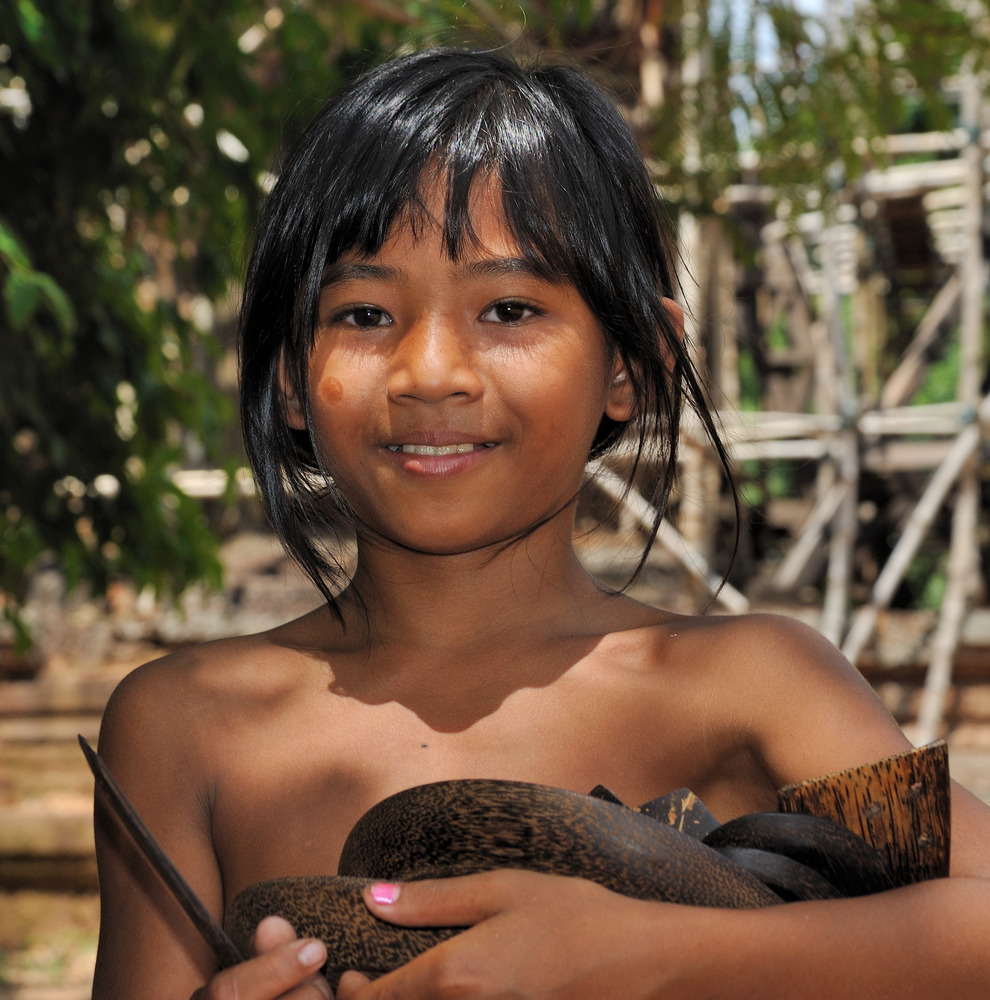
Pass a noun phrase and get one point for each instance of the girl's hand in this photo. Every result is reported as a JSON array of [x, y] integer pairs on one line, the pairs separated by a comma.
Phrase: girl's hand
[[530, 936], [284, 968]]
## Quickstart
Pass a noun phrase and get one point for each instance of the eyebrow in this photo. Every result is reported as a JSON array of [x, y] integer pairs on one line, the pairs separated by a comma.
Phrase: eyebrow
[[344, 270], [497, 266]]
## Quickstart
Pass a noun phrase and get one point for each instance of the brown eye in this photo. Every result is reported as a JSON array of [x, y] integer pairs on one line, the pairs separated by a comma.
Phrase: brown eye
[[509, 311], [366, 317]]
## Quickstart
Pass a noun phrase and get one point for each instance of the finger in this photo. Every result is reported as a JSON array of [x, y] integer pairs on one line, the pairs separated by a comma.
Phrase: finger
[[426, 977], [291, 970], [270, 933], [349, 983], [273, 932], [446, 902]]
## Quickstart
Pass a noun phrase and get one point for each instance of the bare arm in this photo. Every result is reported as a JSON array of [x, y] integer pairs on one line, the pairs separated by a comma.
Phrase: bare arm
[[148, 948], [539, 936]]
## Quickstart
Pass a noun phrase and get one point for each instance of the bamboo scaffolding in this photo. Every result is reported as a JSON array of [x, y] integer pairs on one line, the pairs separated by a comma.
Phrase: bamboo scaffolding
[[880, 438], [906, 378], [914, 531], [965, 523]]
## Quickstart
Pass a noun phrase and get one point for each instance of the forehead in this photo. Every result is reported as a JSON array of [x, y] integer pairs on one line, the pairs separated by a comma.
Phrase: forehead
[[479, 227], [473, 231]]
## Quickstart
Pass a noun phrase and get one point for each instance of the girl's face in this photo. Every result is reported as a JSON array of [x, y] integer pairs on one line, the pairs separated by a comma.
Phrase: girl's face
[[454, 402]]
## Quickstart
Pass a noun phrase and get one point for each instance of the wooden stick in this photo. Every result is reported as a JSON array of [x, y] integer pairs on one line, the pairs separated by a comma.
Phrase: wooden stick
[[907, 376], [224, 949], [914, 532], [668, 537], [900, 805]]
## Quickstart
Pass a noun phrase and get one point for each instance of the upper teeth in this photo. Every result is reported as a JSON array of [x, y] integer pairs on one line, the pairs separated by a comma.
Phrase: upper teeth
[[435, 449]]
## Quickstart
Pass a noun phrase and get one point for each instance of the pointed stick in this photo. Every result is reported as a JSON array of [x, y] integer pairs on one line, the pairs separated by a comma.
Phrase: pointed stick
[[213, 934]]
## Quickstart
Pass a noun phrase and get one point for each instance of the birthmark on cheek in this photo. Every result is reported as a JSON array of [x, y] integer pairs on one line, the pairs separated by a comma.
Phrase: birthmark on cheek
[[331, 390]]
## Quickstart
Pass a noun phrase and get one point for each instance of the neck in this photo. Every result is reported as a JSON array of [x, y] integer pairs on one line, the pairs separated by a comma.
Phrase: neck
[[453, 637], [448, 605]]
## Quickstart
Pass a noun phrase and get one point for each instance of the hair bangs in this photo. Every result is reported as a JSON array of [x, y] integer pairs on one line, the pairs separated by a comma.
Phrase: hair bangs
[[485, 131]]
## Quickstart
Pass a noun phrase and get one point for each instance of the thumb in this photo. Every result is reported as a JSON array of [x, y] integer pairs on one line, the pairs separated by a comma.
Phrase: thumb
[[270, 934]]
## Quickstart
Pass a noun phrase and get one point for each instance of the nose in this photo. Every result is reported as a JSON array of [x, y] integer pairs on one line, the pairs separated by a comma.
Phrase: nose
[[434, 361]]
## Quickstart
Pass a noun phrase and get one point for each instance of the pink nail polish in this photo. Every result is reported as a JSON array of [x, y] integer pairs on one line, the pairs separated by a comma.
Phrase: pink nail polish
[[385, 892]]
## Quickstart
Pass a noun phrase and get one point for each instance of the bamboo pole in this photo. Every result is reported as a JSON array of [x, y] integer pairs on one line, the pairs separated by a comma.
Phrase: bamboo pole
[[957, 592], [906, 377], [914, 532], [691, 521], [928, 419], [668, 536], [965, 541], [844, 524], [697, 505], [769, 450], [809, 538]]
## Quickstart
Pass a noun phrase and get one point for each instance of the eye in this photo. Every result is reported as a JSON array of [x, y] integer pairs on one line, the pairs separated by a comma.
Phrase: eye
[[365, 317], [509, 311]]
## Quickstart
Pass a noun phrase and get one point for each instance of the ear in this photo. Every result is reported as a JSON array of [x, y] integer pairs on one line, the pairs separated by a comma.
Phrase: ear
[[676, 314], [620, 404], [295, 415]]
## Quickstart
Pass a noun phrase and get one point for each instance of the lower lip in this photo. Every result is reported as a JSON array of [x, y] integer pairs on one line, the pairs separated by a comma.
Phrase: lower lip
[[438, 466]]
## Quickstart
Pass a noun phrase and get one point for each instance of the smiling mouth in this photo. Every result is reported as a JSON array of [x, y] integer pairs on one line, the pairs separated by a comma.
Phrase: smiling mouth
[[439, 449]]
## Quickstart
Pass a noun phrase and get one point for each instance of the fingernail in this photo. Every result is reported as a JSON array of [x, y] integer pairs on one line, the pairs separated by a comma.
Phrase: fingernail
[[312, 953], [385, 892]]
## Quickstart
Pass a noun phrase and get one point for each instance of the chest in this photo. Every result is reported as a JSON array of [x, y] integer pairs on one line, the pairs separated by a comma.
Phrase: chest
[[287, 797]]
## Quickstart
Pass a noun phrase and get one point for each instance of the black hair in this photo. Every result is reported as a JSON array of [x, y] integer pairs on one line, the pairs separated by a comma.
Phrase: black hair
[[578, 200]]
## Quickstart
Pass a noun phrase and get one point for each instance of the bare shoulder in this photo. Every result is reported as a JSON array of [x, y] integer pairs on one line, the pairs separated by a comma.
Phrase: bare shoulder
[[740, 648], [808, 712], [166, 733], [801, 707], [177, 704]]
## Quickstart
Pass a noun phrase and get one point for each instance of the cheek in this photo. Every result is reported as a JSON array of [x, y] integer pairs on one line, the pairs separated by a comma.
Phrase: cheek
[[331, 390]]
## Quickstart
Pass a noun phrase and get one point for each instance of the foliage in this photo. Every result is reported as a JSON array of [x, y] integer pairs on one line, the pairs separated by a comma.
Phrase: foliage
[[942, 379], [801, 102], [134, 141]]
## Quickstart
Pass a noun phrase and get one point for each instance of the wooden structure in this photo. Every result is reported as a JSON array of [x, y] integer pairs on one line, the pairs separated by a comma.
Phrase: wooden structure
[[829, 404]]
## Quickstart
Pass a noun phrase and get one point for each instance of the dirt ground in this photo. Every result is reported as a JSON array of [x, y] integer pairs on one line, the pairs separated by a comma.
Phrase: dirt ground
[[47, 945]]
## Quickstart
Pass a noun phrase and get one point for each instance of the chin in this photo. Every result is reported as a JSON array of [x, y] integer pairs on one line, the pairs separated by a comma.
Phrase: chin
[[452, 543]]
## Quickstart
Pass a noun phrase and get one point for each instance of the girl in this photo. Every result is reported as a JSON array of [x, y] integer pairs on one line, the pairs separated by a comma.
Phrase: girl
[[459, 293]]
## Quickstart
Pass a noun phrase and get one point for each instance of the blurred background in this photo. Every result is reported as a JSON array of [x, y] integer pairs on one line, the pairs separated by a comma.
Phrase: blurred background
[[824, 163]]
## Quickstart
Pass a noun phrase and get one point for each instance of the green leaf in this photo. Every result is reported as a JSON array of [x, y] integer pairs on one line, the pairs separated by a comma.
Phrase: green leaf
[[21, 295], [57, 301], [23, 639], [32, 21], [11, 249]]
